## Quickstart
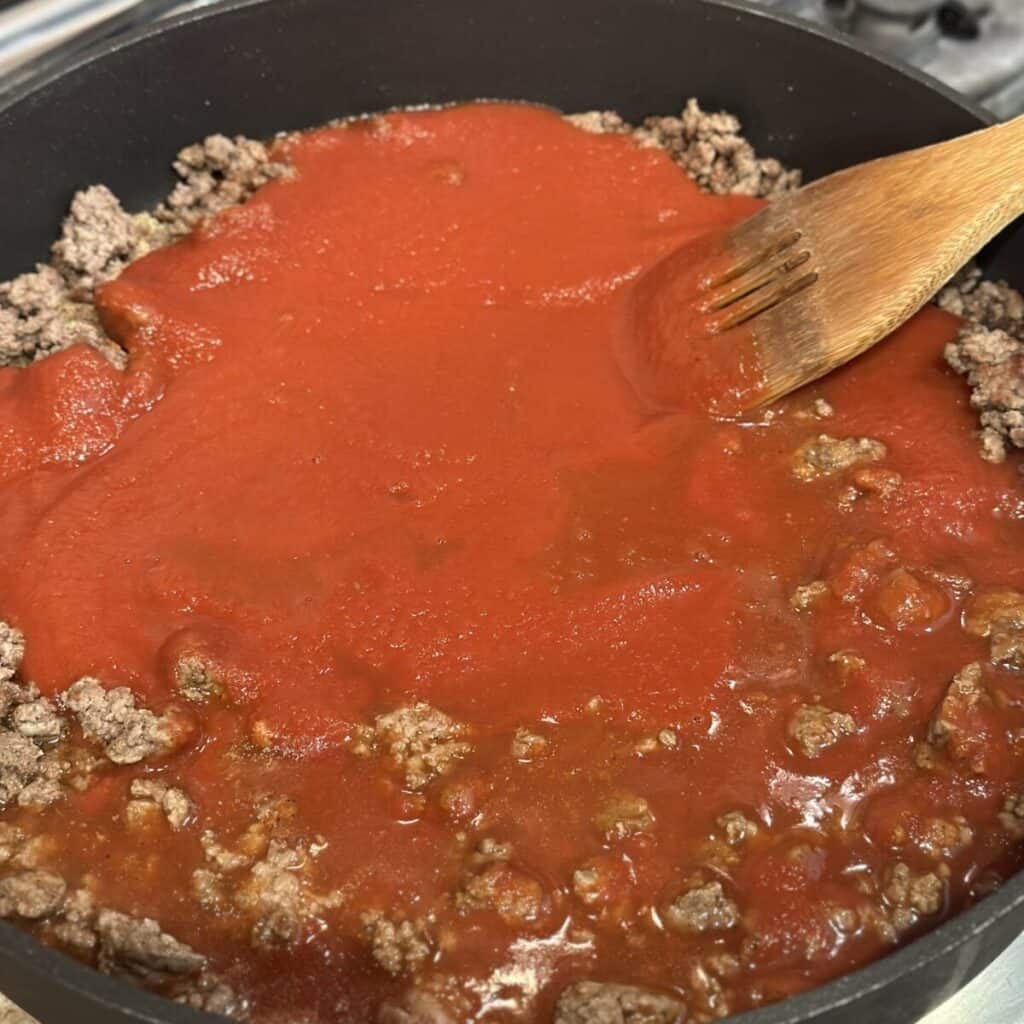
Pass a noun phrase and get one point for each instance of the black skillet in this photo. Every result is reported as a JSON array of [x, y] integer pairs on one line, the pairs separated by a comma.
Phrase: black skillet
[[118, 115]]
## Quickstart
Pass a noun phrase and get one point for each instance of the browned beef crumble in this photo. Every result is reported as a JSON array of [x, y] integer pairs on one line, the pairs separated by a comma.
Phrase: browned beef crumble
[[420, 742], [50, 308], [816, 728], [594, 1002], [127, 733], [989, 351], [705, 908]]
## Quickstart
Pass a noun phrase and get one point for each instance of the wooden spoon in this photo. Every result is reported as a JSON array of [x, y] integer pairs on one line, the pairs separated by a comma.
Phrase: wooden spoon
[[823, 273]]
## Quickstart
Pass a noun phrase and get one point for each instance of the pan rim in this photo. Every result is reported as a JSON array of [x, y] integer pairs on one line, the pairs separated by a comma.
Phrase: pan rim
[[53, 968]]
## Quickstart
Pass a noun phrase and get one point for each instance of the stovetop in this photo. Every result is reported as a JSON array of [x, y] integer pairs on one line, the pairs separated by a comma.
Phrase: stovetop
[[974, 46]]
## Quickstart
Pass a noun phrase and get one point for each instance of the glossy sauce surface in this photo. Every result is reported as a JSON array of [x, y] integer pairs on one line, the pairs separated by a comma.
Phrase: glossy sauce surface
[[374, 446]]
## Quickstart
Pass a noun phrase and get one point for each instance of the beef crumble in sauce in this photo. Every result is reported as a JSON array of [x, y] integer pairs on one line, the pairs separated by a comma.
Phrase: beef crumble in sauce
[[373, 654]]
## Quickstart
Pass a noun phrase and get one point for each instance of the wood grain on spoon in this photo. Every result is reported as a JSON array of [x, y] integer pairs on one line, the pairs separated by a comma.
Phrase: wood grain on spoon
[[823, 273]]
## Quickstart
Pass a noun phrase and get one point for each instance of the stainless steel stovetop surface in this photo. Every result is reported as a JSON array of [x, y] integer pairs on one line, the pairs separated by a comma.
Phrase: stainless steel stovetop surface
[[996, 996], [988, 67]]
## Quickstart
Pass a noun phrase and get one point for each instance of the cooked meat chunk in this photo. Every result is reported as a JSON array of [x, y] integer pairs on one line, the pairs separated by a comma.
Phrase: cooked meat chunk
[[400, 947], [808, 595], [816, 728], [414, 1006], [597, 1002], [12, 650], [19, 765], [738, 827], [600, 122], [944, 838], [137, 946], [11, 1014], [875, 480], [527, 745], [953, 726], [704, 909], [624, 815], [31, 894], [1011, 817], [911, 896], [999, 615], [513, 895], [36, 718], [825, 455], [419, 741], [97, 242], [47, 787], [152, 794], [197, 679], [992, 304], [216, 173], [207, 992], [710, 148], [905, 600], [992, 360], [278, 894], [38, 317], [109, 717]]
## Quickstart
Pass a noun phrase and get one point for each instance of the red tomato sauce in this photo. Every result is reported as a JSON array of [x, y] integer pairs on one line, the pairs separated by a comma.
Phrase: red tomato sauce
[[376, 445]]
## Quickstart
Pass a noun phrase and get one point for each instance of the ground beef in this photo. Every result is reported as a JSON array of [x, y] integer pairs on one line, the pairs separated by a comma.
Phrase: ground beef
[[31, 895], [709, 147], [943, 838], [703, 909], [825, 455], [596, 1002], [19, 765], [137, 946], [1011, 817], [149, 795], [738, 828], [414, 1006], [197, 680], [278, 896], [400, 947], [207, 992], [910, 896], [509, 892], [624, 815], [992, 304], [220, 856], [419, 741], [12, 650], [999, 616], [816, 728], [98, 241], [808, 595], [50, 308], [216, 173], [989, 351], [527, 745], [11, 1014], [949, 728], [128, 734], [38, 317]]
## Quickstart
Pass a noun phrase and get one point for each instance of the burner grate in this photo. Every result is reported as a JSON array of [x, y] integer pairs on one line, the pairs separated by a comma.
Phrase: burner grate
[[974, 46]]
